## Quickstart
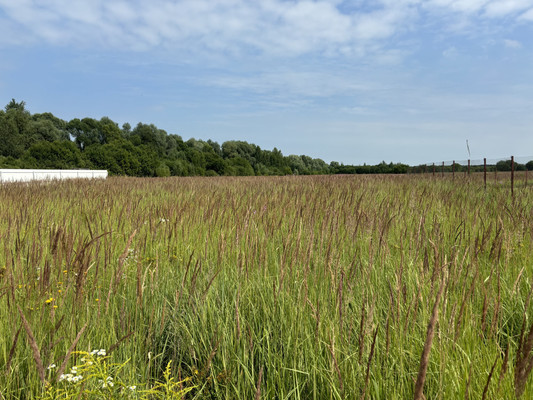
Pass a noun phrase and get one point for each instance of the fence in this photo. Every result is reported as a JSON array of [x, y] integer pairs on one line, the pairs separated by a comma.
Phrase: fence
[[508, 166], [26, 175]]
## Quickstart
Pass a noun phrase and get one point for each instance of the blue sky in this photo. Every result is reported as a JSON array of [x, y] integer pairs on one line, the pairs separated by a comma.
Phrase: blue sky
[[352, 81]]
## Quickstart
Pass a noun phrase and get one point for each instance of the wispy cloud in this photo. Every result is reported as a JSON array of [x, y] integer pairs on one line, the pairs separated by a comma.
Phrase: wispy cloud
[[512, 44], [268, 27], [271, 26]]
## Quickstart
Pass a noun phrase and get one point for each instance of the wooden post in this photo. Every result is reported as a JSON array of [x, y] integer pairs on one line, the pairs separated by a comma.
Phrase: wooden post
[[468, 167], [453, 169], [525, 183], [442, 170], [512, 175], [485, 172], [434, 171]]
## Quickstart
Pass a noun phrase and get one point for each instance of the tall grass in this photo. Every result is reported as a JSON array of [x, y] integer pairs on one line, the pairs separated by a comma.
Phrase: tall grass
[[271, 287]]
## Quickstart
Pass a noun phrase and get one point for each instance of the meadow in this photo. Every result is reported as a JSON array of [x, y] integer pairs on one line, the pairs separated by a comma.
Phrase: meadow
[[317, 287]]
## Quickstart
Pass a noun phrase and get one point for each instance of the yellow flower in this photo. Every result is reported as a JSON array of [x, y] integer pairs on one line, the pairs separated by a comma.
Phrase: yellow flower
[[48, 301], [97, 300]]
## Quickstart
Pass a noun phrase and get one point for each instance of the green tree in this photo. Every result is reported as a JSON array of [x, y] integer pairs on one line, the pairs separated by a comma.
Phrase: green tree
[[11, 142], [238, 166], [86, 132], [59, 155]]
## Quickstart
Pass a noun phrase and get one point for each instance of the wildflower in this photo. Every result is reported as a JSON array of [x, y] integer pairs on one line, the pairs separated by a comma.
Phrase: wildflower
[[132, 388], [48, 301], [107, 383], [97, 300], [99, 353], [51, 366], [64, 376]]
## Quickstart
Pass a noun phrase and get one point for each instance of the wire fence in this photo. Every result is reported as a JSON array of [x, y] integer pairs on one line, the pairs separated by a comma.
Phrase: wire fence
[[507, 169]]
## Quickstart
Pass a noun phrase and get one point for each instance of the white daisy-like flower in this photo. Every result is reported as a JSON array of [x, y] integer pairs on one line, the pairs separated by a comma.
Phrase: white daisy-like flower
[[64, 376], [51, 366]]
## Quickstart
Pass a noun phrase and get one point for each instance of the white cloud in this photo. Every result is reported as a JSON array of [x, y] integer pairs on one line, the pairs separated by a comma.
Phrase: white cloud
[[450, 52], [269, 26], [502, 8], [512, 44], [527, 16], [288, 83]]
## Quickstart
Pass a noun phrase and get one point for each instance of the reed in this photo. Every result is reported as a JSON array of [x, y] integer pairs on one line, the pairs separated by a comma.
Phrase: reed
[[304, 287]]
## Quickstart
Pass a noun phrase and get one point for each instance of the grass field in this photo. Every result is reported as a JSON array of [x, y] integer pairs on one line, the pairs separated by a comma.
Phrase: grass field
[[326, 287]]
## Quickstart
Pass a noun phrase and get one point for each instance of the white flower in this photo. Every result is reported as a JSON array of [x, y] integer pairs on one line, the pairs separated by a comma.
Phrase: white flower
[[64, 376], [51, 366], [101, 352], [132, 388]]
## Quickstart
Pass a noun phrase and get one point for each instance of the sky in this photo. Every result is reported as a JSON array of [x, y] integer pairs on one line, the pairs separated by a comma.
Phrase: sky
[[360, 81]]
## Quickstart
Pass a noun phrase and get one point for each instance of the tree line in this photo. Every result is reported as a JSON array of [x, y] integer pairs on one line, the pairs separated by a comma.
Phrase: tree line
[[46, 141]]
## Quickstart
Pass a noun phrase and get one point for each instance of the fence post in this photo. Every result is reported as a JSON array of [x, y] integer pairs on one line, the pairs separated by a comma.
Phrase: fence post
[[525, 183], [512, 175], [453, 169], [468, 167], [434, 170], [442, 170], [485, 172]]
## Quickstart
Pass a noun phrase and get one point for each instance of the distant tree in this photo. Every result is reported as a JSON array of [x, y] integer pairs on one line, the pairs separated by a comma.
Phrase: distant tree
[[86, 132], [11, 143], [110, 131], [126, 128], [14, 105], [529, 165], [152, 137], [162, 170], [238, 166], [213, 162], [503, 165], [59, 154]]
